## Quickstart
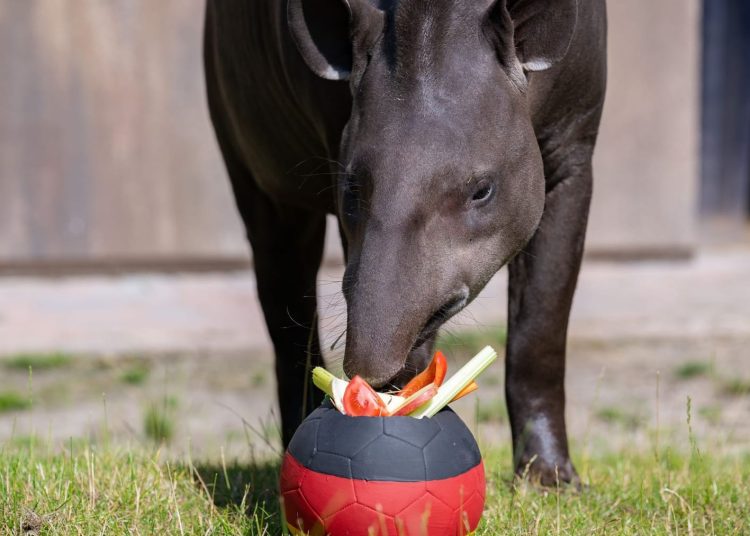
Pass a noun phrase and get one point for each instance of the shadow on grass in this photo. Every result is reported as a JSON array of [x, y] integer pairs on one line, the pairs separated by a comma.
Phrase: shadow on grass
[[251, 488]]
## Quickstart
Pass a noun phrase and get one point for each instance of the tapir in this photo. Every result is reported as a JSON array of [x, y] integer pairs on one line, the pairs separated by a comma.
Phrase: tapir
[[450, 138]]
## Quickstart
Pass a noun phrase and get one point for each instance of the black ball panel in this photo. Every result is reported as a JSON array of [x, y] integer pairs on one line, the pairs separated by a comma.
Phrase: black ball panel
[[347, 437], [418, 436], [404, 460], [398, 449], [453, 450], [342, 464], [304, 440]]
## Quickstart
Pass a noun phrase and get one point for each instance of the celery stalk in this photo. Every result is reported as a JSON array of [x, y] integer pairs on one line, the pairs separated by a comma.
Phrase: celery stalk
[[323, 380], [331, 385], [448, 391]]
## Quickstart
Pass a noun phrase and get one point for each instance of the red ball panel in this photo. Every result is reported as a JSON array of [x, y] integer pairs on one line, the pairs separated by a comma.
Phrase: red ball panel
[[300, 514], [428, 515], [471, 511], [390, 497], [359, 520], [464, 494], [313, 499], [327, 494], [292, 474]]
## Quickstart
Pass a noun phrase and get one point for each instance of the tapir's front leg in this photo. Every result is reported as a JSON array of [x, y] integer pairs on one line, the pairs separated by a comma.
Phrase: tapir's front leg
[[542, 282]]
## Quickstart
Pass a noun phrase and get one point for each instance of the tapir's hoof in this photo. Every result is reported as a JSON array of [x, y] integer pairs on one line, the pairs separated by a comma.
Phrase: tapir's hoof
[[543, 473]]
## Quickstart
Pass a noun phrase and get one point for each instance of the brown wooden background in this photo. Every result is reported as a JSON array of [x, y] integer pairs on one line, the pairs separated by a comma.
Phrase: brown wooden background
[[107, 156], [105, 145]]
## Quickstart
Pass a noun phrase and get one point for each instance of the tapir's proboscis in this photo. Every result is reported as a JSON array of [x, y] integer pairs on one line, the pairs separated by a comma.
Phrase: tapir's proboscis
[[449, 137]]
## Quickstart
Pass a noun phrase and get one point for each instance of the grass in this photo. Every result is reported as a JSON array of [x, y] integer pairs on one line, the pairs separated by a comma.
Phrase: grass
[[470, 342], [630, 492], [493, 411], [95, 490], [38, 362], [13, 401], [630, 419], [727, 385], [258, 379], [159, 420], [135, 375], [92, 489], [693, 369], [735, 386], [97, 487], [711, 414]]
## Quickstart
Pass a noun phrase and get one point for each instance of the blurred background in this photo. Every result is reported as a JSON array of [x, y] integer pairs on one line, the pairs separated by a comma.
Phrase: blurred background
[[125, 276]]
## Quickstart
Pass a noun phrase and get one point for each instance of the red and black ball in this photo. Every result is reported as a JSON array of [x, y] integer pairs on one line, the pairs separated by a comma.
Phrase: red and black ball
[[383, 476]]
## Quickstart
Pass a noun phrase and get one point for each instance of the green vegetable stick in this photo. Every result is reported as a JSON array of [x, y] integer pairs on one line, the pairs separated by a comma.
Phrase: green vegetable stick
[[323, 380], [448, 391]]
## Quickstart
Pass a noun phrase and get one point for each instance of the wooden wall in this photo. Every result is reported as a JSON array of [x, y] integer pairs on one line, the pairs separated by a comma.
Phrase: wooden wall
[[105, 146], [106, 152], [646, 161]]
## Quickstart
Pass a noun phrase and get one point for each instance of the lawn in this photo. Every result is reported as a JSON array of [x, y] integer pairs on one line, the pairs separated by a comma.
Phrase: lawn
[[82, 488], [661, 445]]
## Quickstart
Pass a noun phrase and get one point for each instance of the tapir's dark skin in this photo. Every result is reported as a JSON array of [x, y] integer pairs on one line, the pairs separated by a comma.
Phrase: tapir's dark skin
[[450, 137]]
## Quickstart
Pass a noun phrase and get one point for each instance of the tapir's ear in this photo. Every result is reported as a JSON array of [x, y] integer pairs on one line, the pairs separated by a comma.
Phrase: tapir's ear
[[326, 31], [541, 29]]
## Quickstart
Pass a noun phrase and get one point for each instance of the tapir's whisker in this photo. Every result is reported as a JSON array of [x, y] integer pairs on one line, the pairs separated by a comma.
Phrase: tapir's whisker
[[333, 346]]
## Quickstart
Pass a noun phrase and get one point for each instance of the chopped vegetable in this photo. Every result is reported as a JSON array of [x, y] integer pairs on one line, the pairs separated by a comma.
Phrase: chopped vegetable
[[457, 383], [323, 380], [330, 385], [361, 400], [423, 396], [473, 386], [392, 401], [433, 374], [416, 401], [338, 389]]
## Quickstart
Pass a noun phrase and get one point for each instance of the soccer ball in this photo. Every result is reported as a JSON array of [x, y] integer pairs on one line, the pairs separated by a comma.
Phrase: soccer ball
[[382, 476]]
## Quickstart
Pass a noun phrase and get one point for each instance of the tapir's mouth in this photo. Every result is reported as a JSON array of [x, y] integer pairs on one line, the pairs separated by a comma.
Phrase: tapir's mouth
[[419, 357], [440, 316]]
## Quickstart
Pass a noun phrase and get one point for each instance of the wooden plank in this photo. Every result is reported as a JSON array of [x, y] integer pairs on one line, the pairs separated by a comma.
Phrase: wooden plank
[[106, 152], [106, 145], [646, 162]]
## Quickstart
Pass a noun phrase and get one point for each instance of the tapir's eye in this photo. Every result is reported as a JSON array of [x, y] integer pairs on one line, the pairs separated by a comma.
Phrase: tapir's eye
[[482, 193]]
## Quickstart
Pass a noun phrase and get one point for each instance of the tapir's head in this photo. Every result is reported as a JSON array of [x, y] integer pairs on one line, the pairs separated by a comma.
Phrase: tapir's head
[[443, 179]]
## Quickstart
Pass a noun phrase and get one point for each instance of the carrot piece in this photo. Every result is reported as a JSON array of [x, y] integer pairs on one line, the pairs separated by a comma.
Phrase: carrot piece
[[433, 374], [466, 390]]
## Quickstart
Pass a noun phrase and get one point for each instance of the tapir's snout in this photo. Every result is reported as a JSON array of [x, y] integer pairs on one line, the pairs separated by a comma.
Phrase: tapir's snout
[[391, 358], [399, 293]]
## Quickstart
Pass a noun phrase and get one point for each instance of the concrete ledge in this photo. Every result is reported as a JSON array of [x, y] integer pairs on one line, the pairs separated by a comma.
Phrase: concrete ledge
[[122, 266], [707, 297], [640, 254], [194, 264]]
